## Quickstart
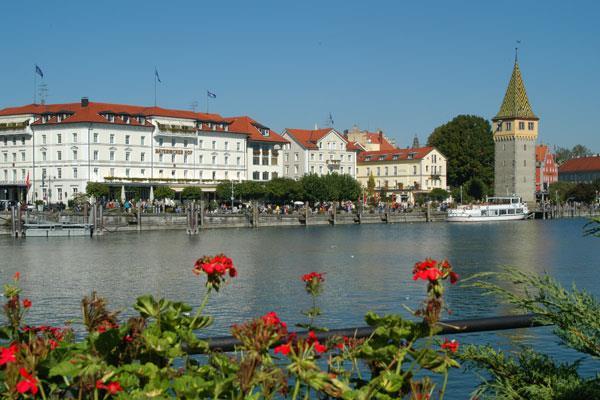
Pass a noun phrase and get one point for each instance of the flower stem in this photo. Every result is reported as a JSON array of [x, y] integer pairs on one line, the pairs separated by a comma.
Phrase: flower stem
[[202, 306], [296, 389], [443, 391]]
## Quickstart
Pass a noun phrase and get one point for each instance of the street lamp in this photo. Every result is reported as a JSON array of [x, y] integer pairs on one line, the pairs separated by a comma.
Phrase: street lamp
[[232, 198]]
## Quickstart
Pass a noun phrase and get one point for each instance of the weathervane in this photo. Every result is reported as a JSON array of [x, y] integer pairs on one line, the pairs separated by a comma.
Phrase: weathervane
[[517, 51]]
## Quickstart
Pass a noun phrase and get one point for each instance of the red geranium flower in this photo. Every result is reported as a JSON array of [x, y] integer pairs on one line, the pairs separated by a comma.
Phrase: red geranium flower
[[215, 268], [283, 349], [17, 276], [431, 274], [26, 303], [28, 384], [7, 354], [112, 387], [320, 277], [451, 345], [453, 277]]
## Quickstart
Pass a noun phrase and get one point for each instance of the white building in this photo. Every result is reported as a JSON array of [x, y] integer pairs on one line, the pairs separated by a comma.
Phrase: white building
[[61, 147], [319, 151]]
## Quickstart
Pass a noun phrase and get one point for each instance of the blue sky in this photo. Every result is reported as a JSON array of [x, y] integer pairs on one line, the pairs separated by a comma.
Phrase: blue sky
[[404, 67]]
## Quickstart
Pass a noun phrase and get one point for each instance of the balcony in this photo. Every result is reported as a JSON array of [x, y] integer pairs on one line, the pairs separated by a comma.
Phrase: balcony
[[15, 128], [176, 130]]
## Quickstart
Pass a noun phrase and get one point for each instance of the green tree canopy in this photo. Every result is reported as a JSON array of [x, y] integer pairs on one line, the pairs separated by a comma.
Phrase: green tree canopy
[[314, 187], [191, 193], [438, 194], [97, 190], [476, 189], [283, 190], [563, 154], [163, 192], [468, 145]]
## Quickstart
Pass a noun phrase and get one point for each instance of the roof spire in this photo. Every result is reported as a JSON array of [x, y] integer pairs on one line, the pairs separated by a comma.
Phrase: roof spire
[[517, 51]]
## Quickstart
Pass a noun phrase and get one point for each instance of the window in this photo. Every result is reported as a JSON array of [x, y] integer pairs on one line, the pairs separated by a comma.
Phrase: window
[[238, 145], [200, 143], [255, 175], [96, 172], [265, 157], [160, 142], [201, 159], [14, 155], [112, 138], [127, 155], [214, 175], [59, 155], [172, 172], [127, 172], [427, 168], [503, 146], [320, 156], [160, 157], [127, 137], [525, 147], [385, 171], [287, 170], [43, 139], [58, 138], [226, 160], [5, 157], [521, 125], [142, 140], [95, 155], [142, 157], [255, 156], [214, 145], [414, 169], [185, 172], [185, 143], [508, 126], [214, 159], [378, 171], [112, 155], [172, 158], [265, 176], [286, 157], [395, 170], [237, 161], [112, 172], [74, 137], [59, 173], [312, 169], [95, 137], [172, 142], [295, 169], [142, 172], [295, 156], [74, 154], [321, 169], [22, 174], [226, 145], [274, 157], [530, 125], [43, 156], [22, 156], [342, 170], [60, 193]]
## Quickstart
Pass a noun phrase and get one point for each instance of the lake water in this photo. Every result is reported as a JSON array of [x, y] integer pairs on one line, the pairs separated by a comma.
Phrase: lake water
[[368, 267]]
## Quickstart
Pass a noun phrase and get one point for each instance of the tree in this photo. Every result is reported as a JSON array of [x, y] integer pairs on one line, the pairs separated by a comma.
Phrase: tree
[[583, 192], [191, 193], [438, 194], [163, 192], [97, 190], [467, 142], [314, 188], [562, 154], [349, 188], [559, 190], [371, 186], [476, 188], [282, 190]]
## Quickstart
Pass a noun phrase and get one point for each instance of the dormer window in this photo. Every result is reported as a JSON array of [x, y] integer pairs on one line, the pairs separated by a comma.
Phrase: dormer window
[[59, 118], [381, 158], [395, 157], [140, 120], [199, 125], [265, 132], [368, 158], [226, 128], [411, 156], [220, 126], [126, 118]]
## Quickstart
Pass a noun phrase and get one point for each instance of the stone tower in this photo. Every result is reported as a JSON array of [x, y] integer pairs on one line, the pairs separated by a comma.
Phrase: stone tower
[[515, 135]]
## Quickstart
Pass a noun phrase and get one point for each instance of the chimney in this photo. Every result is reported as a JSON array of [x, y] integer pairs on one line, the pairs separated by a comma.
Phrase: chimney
[[380, 137], [84, 102]]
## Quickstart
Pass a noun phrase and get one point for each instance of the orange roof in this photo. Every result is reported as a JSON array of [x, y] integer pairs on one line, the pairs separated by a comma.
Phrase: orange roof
[[251, 128], [540, 152], [308, 138], [402, 154], [93, 113], [378, 138], [582, 164]]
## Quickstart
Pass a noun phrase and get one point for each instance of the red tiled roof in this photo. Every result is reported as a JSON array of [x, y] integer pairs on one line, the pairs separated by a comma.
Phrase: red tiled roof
[[540, 152], [582, 164], [308, 138], [354, 146], [402, 154], [377, 138], [251, 128], [92, 113]]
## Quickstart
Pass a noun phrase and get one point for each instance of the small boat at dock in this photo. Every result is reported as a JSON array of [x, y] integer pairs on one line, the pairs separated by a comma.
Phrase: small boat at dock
[[509, 208]]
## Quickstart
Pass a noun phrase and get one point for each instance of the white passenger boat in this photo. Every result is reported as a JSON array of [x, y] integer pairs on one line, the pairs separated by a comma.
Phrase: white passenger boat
[[508, 208], [48, 229]]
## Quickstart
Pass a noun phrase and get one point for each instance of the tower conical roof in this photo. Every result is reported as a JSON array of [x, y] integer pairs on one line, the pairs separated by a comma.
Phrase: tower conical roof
[[515, 103]]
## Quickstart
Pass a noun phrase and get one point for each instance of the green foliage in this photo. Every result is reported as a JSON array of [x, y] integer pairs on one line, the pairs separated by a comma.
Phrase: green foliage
[[163, 192], [97, 190], [438, 194], [191, 193], [592, 227], [527, 375], [315, 188], [476, 189], [283, 190], [468, 144], [560, 189]]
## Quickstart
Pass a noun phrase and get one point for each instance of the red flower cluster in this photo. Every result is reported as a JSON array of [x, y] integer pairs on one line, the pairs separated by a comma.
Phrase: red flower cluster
[[27, 303], [313, 276], [450, 345], [112, 387], [215, 269], [272, 319], [431, 270], [106, 325], [311, 340], [347, 342], [7, 354], [28, 383]]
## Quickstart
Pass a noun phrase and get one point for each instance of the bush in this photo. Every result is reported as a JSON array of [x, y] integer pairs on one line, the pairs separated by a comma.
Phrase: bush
[[164, 192], [191, 193], [97, 190]]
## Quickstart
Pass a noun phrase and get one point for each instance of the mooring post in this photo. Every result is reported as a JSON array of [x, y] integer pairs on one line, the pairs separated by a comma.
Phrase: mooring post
[[139, 219], [428, 215], [201, 213]]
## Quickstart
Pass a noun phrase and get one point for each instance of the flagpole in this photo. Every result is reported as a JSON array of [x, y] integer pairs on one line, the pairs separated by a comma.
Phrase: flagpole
[[34, 85], [154, 87], [207, 101]]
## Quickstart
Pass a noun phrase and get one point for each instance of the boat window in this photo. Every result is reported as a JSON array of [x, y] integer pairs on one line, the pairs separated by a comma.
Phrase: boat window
[[502, 212], [483, 213], [511, 210], [519, 211], [493, 212]]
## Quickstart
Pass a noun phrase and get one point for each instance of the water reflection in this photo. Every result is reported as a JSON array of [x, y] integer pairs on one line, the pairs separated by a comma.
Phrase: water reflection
[[367, 267]]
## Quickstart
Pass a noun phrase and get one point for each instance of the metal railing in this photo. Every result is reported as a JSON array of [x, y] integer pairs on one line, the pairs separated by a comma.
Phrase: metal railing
[[451, 327]]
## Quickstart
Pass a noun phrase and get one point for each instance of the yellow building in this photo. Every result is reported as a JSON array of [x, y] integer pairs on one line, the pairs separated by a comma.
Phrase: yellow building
[[402, 170]]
